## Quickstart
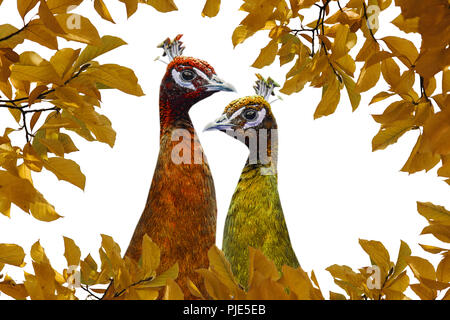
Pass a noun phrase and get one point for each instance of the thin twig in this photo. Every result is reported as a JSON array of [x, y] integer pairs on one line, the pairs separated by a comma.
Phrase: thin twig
[[14, 33], [91, 294], [368, 23], [117, 294]]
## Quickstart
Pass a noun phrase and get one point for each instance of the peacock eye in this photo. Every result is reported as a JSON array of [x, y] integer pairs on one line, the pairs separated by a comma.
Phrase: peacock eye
[[250, 114], [188, 75]]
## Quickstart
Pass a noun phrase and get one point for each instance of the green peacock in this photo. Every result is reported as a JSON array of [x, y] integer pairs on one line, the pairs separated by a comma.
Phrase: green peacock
[[255, 216]]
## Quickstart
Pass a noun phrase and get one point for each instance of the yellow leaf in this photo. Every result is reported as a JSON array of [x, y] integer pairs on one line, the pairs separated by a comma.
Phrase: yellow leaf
[[297, 281], [378, 254], [421, 268], [240, 34], [406, 25], [38, 253], [221, 267], [420, 160], [78, 28], [446, 80], [54, 146], [10, 35], [35, 69], [61, 6], [403, 253], [391, 72], [115, 76], [441, 232], [211, 8], [216, 289], [18, 191], [36, 31], [404, 49], [330, 98], [89, 53], [35, 94], [162, 5], [259, 263], [131, 6], [423, 292], [194, 290], [432, 249], [63, 59], [48, 19], [147, 294], [42, 210], [102, 10], [434, 213], [67, 143], [71, 252], [436, 133], [405, 82], [267, 55], [150, 256], [368, 77], [389, 135], [24, 6], [443, 269], [10, 288], [337, 296], [381, 96], [161, 279], [67, 170], [400, 283], [339, 48], [173, 291], [353, 95], [11, 254]]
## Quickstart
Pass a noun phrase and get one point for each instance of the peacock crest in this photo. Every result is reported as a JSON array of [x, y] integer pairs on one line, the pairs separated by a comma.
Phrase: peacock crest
[[172, 48], [265, 88]]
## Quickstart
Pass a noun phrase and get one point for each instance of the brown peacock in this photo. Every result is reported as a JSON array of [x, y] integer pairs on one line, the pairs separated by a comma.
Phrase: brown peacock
[[180, 214]]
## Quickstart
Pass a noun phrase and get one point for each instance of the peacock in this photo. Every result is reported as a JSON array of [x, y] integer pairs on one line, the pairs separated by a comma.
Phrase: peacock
[[255, 216], [180, 213]]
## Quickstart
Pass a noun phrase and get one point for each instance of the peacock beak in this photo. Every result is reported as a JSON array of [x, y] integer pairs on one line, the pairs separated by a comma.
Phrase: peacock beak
[[221, 124], [216, 84]]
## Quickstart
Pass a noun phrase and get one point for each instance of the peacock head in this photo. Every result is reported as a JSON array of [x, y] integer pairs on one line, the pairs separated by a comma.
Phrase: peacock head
[[248, 114], [188, 80]]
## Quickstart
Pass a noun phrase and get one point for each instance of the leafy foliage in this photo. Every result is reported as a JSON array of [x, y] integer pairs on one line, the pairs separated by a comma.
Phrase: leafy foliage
[[52, 99], [322, 51], [140, 281]]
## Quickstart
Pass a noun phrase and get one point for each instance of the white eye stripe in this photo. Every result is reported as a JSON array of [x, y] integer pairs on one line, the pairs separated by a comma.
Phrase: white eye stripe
[[188, 84], [177, 77], [258, 120], [249, 124], [201, 74]]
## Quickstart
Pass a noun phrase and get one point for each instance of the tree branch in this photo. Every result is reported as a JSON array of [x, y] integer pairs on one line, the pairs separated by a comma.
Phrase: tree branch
[[14, 33]]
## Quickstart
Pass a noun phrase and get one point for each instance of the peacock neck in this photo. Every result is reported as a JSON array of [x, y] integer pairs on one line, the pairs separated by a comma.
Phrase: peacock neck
[[173, 113], [263, 148]]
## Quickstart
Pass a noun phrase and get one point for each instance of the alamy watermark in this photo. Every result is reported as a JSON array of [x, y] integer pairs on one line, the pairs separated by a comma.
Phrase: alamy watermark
[[188, 149]]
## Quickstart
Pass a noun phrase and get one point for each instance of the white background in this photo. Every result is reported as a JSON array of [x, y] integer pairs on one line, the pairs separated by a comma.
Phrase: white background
[[333, 189]]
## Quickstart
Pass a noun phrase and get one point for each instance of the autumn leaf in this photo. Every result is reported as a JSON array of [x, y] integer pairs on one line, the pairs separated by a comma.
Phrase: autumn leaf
[[11, 254], [211, 8], [71, 252], [267, 55], [24, 6], [108, 43], [330, 99], [67, 170], [390, 135], [102, 10], [162, 5]]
